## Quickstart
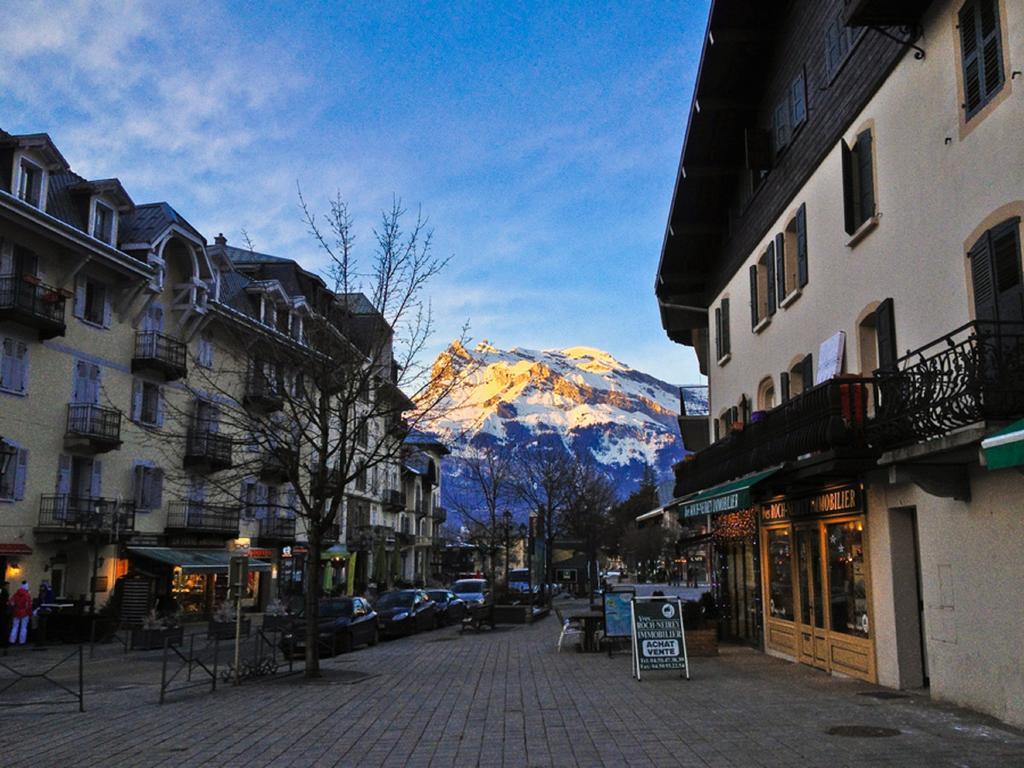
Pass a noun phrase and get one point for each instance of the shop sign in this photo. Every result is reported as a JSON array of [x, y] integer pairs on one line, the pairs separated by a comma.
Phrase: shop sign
[[727, 503], [659, 642], [253, 552], [844, 499]]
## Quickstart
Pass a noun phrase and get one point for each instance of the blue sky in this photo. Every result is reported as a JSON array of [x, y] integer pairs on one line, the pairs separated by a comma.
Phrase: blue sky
[[541, 140]]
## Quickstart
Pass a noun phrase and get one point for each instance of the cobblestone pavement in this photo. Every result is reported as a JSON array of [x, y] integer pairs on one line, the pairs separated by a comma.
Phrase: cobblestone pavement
[[503, 698]]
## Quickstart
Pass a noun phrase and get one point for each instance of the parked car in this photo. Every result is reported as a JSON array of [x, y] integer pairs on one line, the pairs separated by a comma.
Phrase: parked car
[[345, 622], [472, 591], [450, 607], [405, 612]]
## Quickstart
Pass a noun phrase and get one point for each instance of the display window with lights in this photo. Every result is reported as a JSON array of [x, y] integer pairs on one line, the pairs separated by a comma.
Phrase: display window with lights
[[816, 583]]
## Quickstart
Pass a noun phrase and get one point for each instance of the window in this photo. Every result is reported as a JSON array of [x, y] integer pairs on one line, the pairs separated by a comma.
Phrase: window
[[92, 301], [149, 487], [361, 480], [253, 495], [297, 332], [722, 346], [858, 182], [780, 126], [14, 366], [283, 320], [762, 289], [996, 274], [204, 351], [30, 183], [766, 394], [839, 41], [12, 481], [799, 378], [981, 55], [147, 404], [780, 574], [85, 387], [798, 101], [103, 223]]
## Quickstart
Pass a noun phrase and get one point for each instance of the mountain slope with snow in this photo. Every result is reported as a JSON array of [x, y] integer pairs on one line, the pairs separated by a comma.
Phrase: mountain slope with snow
[[580, 396]]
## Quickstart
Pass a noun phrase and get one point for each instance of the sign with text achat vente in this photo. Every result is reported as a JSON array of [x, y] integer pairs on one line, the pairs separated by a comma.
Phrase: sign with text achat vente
[[659, 642]]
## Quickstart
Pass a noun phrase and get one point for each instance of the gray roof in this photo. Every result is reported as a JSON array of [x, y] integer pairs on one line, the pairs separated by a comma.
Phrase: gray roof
[[147, 222], [245, 256]]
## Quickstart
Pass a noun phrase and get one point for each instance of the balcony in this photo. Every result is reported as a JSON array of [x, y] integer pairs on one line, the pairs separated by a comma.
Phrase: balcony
[[263, 392], [200, 517], [277, 529], [28, 302], [82, 514], [92, 428], [823, 428], [277, 463], [207, 451], [402, 538], [394, 501], [972, 375], [158, 353], [333, 534], [440, 515]]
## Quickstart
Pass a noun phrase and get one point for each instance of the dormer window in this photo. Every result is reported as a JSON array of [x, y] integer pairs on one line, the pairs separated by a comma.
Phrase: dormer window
[[30, 183], [282, 319], [103, 223]]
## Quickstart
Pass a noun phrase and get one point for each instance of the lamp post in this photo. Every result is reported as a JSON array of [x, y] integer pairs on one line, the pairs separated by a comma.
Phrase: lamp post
[[506, 518]]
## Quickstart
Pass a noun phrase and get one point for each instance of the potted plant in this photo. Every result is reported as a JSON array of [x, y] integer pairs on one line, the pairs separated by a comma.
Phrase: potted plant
[[222, 625], [155, 631], [276, 618]]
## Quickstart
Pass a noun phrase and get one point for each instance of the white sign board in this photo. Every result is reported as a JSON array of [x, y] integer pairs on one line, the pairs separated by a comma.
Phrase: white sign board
[[830, 357]]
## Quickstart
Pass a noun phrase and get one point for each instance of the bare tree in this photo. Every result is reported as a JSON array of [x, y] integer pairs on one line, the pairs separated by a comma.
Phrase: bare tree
[[587, 516], [322, 409]]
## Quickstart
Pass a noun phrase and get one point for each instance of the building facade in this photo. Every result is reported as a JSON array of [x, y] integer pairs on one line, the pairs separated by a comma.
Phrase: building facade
[[843, 253]]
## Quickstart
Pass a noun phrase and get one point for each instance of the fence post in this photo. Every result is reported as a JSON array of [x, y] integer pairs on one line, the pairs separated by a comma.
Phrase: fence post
[[216, 648], [191, 655], [92, 638], [163, 673], [81, 680]]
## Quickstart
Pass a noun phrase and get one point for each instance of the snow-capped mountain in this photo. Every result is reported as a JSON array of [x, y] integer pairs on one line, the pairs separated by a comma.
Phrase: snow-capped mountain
[[580, 396]]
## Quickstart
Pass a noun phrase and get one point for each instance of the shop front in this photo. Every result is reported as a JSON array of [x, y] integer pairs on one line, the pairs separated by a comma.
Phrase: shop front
[[815, 574]]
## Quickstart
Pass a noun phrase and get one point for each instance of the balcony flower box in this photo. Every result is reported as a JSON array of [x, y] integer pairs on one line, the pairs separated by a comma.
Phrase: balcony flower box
[[144, 639], [31, 279]]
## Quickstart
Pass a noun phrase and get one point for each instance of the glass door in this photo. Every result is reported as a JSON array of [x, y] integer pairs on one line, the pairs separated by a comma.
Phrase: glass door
[[812, 634]]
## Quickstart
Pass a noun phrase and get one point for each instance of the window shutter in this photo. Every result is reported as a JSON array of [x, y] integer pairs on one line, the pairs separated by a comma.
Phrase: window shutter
[[784, 386], [970, 58], [734, 415], [753, 296], [77, 384], [93, 384], [726, 344], [780, 126], [107, 307], [798, 100], [79, 308], [136, 400], [63, 475], [801, 245], [156, 497], [718, 333], [780, 267], [769, 283], [807, 372], [849, 215], [159, 407], [983, 280], [22, 367], [1004, 246], [293, 503], [20, 473], [139, 486], [885, 330], [7, 364], [865, 178], [991, 47], [96, 487], [262, 499]]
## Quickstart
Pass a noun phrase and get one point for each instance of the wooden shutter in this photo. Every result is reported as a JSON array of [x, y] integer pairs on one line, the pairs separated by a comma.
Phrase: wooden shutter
[[784, 386], [798, 100], [769, 283], [96, 484], [139, 487], [807, 372], [107, 307], [970, 58], [79, 306], [7, 364], [990, 47], [159, 407], [801, 245], [865, 178], [157, 488], [1004, 246], [983, 280], [754, 305], [726, 344], [20, 473], [981, 55], [780, 267], [63, 487], [849, 215], [136, 400], [718, 333], [885, 330]]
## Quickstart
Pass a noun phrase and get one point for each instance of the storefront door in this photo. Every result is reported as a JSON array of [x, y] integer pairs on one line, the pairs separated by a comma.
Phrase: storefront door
[[812, 638]]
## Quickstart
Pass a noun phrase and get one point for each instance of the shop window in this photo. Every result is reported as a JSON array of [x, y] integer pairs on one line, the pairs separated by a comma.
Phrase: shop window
[[847, 578], [780, 574], [981, 54]]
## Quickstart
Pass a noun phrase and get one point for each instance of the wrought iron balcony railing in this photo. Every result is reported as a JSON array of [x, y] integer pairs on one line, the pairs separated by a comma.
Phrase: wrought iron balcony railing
[[264, 391], [198, 516], [206, 450], [394, 500], [829, 416], [973, 374], [277, 463], [278, 528], [155, 351], [86, 514], [92, 427], [26, 301]]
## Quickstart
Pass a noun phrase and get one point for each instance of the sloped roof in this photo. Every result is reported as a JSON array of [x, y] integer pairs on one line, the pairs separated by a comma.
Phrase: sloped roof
[[425, 440], [147, 222], [59, 201]]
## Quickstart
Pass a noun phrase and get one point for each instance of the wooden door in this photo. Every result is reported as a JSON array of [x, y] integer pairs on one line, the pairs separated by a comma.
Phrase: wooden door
[[812, 635]]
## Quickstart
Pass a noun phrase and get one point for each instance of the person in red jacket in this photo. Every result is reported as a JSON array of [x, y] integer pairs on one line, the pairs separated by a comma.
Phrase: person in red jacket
[[21, 605]]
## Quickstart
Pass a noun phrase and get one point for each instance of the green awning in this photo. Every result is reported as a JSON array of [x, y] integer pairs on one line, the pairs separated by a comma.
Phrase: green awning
[[333, 551], [725, 497], [1005, 448], [195, 560]]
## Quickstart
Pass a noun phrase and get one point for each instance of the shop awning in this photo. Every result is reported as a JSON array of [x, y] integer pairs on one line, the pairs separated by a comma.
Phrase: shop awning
[[725, 497], [333, 551], [1005, 448], [195, 560], [14, 548]]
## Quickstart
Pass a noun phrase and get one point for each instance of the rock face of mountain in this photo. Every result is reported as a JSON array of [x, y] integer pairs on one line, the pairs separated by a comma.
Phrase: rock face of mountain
[[580, 396]]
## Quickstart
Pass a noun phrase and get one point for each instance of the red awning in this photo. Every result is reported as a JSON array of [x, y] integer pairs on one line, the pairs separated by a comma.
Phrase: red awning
[[15, 549]]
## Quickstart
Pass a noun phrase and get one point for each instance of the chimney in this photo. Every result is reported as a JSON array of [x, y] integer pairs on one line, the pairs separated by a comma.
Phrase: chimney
[[220, 239]]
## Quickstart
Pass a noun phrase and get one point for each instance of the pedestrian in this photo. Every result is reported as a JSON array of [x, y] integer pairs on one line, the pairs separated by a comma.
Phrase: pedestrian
[[21, 603], [45, 596]]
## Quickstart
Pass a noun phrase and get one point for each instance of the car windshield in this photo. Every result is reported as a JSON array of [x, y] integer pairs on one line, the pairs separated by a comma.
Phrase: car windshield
[[469, 586], [395, 600], [334, 609]]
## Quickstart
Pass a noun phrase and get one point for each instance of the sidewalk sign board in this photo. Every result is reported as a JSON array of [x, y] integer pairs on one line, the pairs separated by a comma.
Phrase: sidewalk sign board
[[617, 615], [659, 642]]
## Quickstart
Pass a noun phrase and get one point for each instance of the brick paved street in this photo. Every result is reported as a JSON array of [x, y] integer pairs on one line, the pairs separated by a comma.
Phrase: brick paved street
[[499, 699]]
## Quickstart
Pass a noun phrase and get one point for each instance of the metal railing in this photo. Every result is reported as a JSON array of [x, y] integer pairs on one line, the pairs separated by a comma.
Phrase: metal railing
[[394, 499], [282, 528], [264, 389], [205, 447], [86, 513], [153, 348], [200, 516], [440, 514], [974, 373], [94, 422], [828, 416], [32, 301]]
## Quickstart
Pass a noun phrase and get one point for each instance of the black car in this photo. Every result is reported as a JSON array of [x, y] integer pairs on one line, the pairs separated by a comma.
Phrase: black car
[[450, 607], [345, 622], [405, 612]]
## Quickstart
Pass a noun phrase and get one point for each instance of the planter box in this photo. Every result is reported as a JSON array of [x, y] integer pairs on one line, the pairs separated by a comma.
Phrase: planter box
[[152, 639], [273, 624], [702, 642], [224, 630]]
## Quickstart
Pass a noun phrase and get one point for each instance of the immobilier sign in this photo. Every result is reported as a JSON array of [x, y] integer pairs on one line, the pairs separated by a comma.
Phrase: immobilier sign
[[659, 642]]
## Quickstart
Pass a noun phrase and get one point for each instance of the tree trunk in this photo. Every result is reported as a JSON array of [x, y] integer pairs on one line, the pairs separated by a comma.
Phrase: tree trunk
[[312, 601]]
